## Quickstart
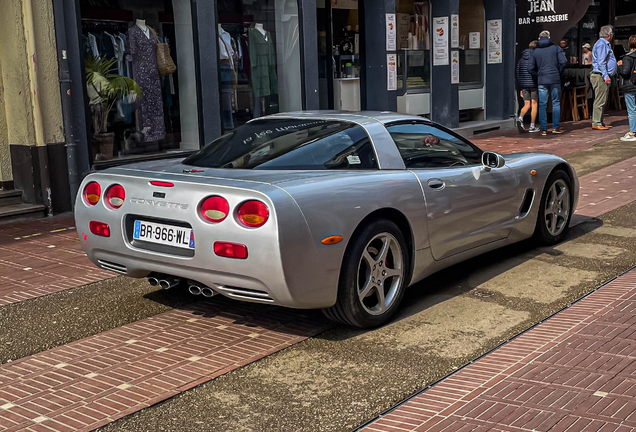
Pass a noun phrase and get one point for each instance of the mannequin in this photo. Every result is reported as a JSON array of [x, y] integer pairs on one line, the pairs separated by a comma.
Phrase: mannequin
[[263, 74], [144, 28], [259, 27]]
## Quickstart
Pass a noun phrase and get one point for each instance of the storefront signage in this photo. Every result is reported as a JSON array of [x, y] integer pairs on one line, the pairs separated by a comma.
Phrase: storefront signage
[[454, 31], [494, 41], [391, 68], [391, 33], [542, 11], [474, 41], [440, 41], [454, 67], [344, 4]]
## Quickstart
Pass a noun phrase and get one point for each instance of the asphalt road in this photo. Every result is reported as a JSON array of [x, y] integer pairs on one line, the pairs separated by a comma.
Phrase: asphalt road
[[344, 377]]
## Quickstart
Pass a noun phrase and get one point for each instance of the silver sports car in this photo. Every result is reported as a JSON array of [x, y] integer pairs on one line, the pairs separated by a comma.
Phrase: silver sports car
[[338, 211]]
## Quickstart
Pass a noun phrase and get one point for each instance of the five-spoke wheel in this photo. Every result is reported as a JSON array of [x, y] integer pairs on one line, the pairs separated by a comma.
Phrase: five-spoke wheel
[[555, 209]]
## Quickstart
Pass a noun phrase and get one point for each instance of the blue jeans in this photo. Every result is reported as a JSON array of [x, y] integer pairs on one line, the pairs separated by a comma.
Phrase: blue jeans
[[555, 92], [630, 101]]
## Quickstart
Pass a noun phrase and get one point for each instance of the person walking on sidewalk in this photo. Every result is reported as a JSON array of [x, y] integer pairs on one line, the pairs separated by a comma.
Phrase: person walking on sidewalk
[[627, 84], [527, 85], [547, 64], [603, 67]]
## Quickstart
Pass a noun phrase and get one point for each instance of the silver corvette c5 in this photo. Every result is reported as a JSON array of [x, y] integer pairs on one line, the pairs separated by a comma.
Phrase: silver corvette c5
[[338, 211]]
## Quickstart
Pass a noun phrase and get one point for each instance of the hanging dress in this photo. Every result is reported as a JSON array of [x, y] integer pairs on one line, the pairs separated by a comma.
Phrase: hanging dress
[[145, 72]]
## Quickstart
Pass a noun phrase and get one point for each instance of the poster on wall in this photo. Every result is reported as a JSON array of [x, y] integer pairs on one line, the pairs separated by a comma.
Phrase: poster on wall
[[391, 68], [474, 40], [440, 41], [454, 31], [454, 67], [391, 33], [494, 54]]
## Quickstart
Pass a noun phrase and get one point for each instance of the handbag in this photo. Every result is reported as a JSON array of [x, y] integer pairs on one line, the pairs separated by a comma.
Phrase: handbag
[[165, 64]]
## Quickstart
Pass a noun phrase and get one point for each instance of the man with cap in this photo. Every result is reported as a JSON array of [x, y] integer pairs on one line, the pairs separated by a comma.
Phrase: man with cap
[[587, 54], [603, 67]]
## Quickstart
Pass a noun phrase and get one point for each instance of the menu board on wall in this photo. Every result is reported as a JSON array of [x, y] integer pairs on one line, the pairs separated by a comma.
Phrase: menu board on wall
[[391, 33], [454, 31], [474, 40], [391, 68], [454, 67], [494, 54], [440, 41]]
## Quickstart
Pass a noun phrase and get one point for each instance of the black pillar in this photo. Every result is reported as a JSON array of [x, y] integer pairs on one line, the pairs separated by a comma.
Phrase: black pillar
[[204, 18], [500, 85], [444, 95], [373, 74], [309, 52]]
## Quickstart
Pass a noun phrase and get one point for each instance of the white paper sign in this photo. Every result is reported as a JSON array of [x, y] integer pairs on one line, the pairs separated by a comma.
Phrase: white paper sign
[[474, 40], [440, 41], [391, 33], [454, 67], [494, 41], [391, 72], [454, 31]]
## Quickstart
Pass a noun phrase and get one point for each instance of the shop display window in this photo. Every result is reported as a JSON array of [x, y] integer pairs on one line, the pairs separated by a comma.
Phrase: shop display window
[[413, 39], [139, 103], [259, 59], [471, 42]]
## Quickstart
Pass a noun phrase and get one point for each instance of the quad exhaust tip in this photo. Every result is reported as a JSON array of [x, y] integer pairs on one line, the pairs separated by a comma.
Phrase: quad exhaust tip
[[207, 292], [164, 281], [195, 290]]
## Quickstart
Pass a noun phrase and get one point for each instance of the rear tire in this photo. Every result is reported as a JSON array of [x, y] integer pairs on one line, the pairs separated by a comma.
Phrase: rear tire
[[373, 277], [555, 209]]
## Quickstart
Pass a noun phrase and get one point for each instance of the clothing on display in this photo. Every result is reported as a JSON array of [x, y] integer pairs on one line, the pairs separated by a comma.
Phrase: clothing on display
[[263, 63], [142, 50]]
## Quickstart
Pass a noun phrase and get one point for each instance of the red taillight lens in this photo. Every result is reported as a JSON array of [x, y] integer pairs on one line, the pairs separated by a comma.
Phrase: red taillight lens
[[253, 214], [214, 209], [115, 196], [230, 250], [92, 192], [99, 228]]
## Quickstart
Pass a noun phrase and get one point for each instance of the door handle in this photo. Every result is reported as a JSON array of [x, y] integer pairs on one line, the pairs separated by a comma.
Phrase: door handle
[[436, 183]]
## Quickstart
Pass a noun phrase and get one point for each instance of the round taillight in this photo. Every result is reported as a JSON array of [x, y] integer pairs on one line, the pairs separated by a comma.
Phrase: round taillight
[[253, 214], [214, 209], [92, 192], [115, 196]]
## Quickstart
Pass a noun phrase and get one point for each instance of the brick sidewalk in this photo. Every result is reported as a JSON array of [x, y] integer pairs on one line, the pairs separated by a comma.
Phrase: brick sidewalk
[[607, 189], [89, 383], [41, 257], [578, 136], [576, 371]]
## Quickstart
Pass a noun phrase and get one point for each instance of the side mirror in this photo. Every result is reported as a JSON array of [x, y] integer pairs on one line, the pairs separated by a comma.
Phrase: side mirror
[[492, 160]]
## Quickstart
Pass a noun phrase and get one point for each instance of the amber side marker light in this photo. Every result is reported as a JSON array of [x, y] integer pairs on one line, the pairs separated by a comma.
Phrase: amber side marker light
[[533, 172], [331, 240]]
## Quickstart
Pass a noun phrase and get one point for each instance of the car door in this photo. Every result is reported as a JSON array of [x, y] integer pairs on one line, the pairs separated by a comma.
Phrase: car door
[[467, 205]]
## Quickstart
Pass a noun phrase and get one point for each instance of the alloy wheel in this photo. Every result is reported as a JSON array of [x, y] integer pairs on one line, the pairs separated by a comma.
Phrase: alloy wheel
[[380, 273], [557, 207]]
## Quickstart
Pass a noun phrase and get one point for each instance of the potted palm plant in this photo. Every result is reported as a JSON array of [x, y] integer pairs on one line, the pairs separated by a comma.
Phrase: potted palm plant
[[104, 90]]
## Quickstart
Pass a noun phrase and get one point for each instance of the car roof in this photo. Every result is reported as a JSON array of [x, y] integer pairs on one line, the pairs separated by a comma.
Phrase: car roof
[[361, 117]]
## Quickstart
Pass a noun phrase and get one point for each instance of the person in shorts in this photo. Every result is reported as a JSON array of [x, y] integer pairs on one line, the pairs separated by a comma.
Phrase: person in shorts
[[527, 85]]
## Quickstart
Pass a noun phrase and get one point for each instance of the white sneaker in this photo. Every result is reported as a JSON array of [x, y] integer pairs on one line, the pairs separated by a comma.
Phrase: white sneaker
[[629, 136], [534, 129], [520, 125]]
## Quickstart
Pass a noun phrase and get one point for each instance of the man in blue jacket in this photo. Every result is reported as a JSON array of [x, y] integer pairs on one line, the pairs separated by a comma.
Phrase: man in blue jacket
[[547, 64], [604, 66]]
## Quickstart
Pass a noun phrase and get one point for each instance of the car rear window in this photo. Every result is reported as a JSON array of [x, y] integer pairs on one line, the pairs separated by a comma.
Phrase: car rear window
[[290, 144]]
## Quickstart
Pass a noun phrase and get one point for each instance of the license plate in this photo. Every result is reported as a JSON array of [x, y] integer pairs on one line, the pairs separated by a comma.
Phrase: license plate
[[169, 235]]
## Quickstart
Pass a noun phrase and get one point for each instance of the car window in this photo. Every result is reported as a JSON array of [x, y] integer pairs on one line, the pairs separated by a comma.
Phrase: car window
[[426, 146], [290, 144]]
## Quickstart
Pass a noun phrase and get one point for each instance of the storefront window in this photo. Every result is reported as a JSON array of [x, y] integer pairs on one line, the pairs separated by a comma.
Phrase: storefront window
[[413, 40], [471, 41], [152, 107], [259, 59]]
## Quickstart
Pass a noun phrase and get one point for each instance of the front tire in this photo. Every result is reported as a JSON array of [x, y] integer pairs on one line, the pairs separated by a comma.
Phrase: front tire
[[555, 209], [373, 277]]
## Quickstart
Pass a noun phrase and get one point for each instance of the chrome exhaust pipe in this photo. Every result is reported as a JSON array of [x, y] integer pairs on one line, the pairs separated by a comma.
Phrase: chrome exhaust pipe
[[194, 290], [168, 282], [153, 281], [207, 292]]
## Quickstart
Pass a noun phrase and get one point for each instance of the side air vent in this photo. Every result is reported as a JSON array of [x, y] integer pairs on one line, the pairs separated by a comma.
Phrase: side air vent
[[526, 204], [117, 268]]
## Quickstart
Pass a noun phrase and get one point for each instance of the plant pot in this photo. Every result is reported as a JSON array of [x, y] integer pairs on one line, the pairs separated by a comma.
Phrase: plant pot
[[103, 145]]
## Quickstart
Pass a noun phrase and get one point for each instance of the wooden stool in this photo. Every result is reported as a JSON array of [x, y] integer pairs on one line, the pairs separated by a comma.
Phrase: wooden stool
[[579, 100], [614, 97], [567, 111]]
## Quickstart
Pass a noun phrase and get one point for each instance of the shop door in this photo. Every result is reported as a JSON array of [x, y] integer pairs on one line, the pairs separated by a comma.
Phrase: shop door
[[339, 54]]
